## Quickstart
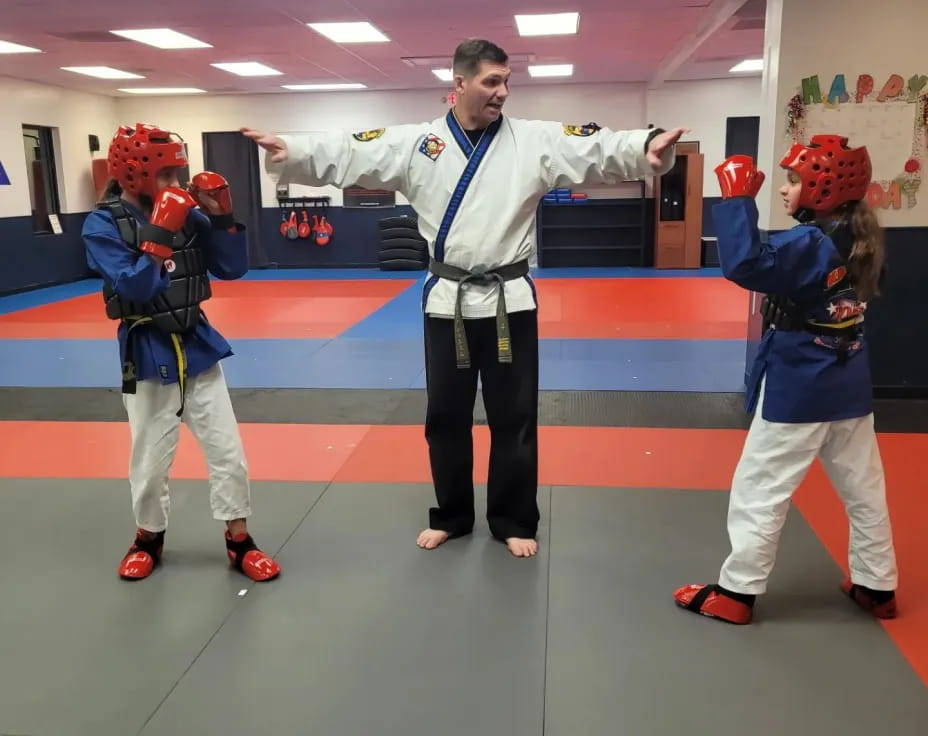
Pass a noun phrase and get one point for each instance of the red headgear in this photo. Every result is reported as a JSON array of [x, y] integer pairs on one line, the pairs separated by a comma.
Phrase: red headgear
[[831, 173], [137, 155]]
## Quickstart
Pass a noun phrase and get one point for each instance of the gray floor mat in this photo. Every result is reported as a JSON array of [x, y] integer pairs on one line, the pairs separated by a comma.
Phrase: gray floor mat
[[83, 652], [371, 635], [622, 658]]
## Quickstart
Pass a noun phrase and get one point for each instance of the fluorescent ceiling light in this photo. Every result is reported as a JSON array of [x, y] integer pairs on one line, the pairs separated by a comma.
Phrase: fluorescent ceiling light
[[247, 69], [14, 48], [445, 75], [362, 32], [163, 38], [551, 70], [102, 72], [162, 90], [332, 86], [749, 65], [548, 24]]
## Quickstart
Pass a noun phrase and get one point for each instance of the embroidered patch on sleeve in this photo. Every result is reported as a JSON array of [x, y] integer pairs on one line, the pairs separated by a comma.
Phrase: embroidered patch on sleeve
[[432, 146], [581, 130], [368, 135], [835, 276]]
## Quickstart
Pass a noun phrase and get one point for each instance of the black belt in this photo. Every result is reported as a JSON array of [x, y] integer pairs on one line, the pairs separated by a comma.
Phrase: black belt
[[497, 276], [844, 337]]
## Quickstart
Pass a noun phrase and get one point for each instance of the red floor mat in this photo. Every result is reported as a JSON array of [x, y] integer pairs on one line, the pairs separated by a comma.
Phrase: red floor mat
[[239, 309], [642, 308]]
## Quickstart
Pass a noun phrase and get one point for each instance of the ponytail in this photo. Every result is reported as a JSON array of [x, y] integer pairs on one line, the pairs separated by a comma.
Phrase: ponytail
[[865, 264], [112, 189]]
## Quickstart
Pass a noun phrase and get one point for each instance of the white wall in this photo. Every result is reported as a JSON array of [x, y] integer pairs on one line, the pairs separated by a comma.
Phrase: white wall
[[860, 40], [703, 107], [615, 106], [76, 115]]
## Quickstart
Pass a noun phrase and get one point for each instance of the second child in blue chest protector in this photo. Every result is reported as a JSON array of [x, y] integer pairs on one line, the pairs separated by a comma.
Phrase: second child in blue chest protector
[[810, 384]]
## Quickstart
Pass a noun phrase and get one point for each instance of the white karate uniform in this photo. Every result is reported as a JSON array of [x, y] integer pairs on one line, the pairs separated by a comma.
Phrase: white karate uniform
[[155, 429], [476, 204], [774, 461]]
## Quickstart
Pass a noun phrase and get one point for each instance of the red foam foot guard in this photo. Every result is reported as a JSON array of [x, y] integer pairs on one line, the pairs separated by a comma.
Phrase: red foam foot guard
[[886, 609], [142, 557], [249, 560], [706, 600]]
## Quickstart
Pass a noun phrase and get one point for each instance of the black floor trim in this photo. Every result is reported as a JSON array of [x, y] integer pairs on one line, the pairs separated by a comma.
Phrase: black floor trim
[[396, 407]]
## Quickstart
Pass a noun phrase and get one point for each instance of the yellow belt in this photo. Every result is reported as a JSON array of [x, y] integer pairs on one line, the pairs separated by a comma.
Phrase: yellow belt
[[128, 367], [838, 325]]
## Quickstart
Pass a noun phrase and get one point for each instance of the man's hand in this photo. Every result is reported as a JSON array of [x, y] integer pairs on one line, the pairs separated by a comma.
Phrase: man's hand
[[268, 142], [660, 144]]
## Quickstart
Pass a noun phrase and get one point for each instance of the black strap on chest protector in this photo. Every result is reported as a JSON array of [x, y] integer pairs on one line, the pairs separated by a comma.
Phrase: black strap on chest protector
[[126, 224], [129, 231]]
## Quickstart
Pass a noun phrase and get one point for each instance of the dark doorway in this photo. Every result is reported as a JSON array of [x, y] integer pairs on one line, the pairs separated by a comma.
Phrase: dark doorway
[[236, 158], [741, 136]]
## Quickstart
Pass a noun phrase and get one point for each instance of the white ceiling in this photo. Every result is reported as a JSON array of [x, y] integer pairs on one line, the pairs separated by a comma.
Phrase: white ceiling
[[619, 40]]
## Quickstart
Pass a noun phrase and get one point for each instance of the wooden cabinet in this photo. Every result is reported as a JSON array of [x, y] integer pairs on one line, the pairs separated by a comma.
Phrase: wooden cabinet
[[678, 211]]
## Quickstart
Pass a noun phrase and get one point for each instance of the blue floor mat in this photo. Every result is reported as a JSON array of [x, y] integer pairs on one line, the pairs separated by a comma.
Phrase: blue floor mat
[[368, 362]]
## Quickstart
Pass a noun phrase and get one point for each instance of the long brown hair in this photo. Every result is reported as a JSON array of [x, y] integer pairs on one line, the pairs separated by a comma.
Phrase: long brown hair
[[113, 190], [865, 264]]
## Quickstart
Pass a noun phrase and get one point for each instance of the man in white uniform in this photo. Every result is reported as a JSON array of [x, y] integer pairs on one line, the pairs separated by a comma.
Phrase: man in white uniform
[[475, 178]]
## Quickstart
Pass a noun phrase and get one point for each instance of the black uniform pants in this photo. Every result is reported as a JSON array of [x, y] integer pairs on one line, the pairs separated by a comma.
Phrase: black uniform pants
[[510, 394]]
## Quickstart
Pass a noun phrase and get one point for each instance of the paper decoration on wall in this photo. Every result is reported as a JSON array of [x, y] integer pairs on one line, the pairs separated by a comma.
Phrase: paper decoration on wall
[[864, 87], [4, 179], [890, 119], [838, 91], [811, 91], [917, 83], [891, 89], [795, 113]]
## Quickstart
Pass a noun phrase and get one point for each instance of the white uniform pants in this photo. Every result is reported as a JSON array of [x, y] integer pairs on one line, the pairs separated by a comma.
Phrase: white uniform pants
[[773, 463], [155, 429]]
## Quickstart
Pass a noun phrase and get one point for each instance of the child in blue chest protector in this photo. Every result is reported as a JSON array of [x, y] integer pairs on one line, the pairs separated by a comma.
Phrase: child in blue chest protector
[[155, 250], [810, 384]]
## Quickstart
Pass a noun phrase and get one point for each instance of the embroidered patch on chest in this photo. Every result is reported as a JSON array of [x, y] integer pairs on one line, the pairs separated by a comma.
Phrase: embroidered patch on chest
[[368, 135], [432, 147], [581, 130]]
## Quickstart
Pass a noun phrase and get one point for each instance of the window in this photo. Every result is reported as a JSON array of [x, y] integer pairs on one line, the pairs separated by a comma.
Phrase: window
[[43, 183]]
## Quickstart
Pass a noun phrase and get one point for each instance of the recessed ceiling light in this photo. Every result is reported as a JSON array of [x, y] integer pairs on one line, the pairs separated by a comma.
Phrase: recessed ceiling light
[[749, 65], [247, 69], [162, 90], [163, 38], [328, 86], [102, 72], [445, 75], [551, 70], [7, 47], [548, 24], [362, 32]]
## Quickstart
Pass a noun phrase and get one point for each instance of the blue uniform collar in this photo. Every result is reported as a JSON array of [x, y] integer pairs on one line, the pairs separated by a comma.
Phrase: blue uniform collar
[[457, 130]]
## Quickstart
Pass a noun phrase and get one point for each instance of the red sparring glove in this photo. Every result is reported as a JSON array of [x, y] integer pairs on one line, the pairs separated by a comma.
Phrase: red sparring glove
[[167, 218], [739, 177], [211, 190]]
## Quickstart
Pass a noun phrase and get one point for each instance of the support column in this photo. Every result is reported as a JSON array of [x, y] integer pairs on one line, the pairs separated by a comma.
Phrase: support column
[[860, 70]]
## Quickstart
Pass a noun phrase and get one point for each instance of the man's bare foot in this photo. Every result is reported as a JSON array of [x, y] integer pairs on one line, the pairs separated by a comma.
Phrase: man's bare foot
[[432, 538], [522, 547]]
